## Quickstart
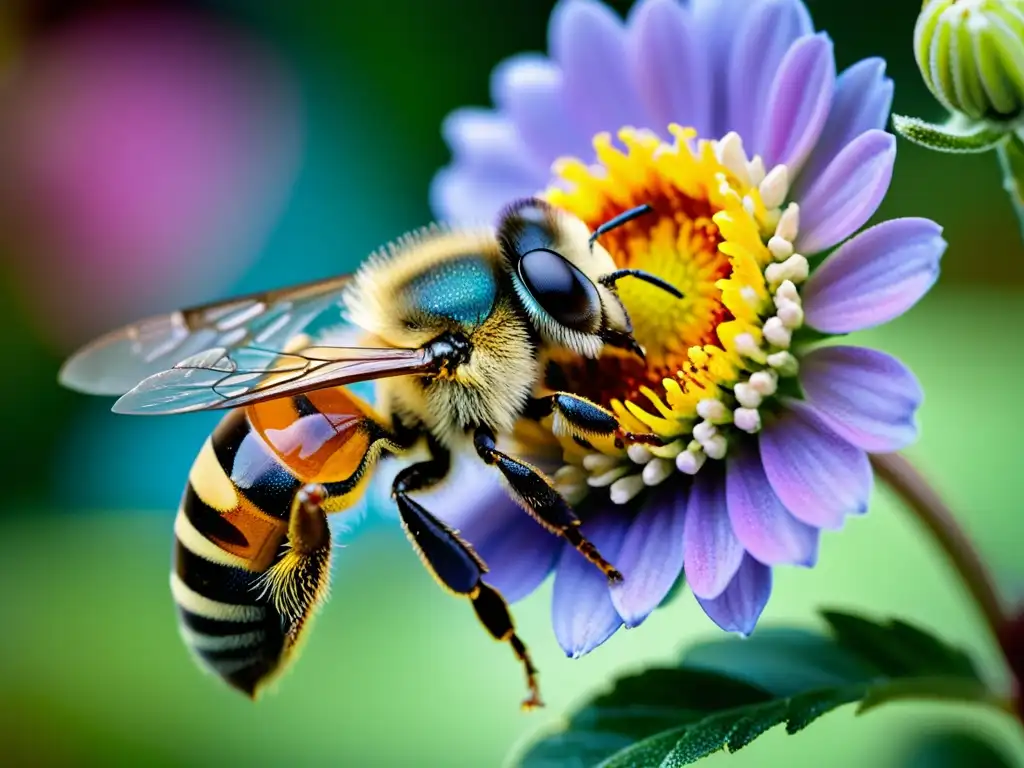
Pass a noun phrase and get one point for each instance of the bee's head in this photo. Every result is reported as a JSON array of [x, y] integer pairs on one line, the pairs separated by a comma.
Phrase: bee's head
[[566, 279]]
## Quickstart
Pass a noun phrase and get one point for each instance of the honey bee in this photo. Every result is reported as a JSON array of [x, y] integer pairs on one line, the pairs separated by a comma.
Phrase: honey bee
[[455, 328]]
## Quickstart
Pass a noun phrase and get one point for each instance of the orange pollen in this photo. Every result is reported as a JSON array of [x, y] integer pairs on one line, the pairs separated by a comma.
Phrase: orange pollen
[[722, 232], [679, 243]]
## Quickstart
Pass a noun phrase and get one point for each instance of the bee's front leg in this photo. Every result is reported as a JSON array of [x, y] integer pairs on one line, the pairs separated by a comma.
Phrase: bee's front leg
[[538, 497], [582, 419], [574, 415]]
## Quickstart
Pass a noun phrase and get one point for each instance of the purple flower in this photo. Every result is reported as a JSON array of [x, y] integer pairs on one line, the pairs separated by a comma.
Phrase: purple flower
[[765, 432]]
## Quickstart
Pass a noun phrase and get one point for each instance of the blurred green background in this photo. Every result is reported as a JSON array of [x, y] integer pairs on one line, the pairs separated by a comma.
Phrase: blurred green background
[[160, 154]]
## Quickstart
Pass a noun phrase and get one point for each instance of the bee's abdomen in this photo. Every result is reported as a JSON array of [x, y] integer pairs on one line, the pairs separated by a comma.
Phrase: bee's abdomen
[[226, 536], [227, 627]]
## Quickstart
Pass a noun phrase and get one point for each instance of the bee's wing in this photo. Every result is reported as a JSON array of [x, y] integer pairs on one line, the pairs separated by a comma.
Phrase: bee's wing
[[116, 362], [229, 378]]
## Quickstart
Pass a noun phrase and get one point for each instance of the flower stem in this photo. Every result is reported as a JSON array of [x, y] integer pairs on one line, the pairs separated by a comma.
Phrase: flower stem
[[897, 471], [1011, 160]]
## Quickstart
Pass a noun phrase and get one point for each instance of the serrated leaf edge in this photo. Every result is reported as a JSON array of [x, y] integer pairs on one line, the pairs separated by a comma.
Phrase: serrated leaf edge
[[745, 715], [721, 729]]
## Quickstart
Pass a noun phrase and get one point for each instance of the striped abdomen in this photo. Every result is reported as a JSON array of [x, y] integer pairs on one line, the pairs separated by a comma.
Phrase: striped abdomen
[[251, 564]]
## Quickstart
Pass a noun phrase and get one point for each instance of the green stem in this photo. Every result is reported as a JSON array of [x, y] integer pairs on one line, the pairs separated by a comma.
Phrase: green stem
[[900, 475], [1011, 160]]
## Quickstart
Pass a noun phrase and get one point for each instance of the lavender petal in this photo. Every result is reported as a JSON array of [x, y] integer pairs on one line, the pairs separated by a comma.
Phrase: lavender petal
[[519, 557], [712, 553], [483, 138], [715, 24], [817, 475], [760, 521], [530, 90], [798, 104], [473, 197], [739, 607], [847, 193], [762, 39], [589, 42], [669, 65], [582, 611], [875, 277], [490, 166], [868, 397], [861, 102], [652, 553]]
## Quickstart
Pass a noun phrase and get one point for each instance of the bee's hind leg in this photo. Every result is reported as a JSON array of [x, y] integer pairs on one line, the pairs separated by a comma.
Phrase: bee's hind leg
[[297, 583], [453, 562], [539, 497]]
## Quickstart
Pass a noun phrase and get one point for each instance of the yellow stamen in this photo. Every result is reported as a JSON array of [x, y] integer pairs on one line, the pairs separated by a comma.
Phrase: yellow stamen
[[708, 236]]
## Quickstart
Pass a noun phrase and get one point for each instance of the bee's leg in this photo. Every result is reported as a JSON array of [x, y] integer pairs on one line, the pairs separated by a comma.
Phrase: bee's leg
[[454, 563], [583, 419], [539, 497], [297, 583], [574, 415]]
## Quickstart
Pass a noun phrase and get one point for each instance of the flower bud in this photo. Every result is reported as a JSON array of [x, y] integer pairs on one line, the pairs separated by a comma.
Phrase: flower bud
[[971, 55]]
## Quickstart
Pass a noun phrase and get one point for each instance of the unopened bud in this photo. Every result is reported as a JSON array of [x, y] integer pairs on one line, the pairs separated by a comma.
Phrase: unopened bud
[[971, 55]]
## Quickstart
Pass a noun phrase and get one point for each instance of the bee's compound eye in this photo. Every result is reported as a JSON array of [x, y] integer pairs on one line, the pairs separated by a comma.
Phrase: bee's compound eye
[[561, 289]]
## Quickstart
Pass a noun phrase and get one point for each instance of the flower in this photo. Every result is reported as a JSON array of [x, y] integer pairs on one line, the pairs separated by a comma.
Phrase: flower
[[757, 434], [971, 55]]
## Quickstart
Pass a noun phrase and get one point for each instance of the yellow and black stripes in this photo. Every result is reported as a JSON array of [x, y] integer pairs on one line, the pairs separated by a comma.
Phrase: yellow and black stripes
[[252, 549], [253, 471], [222, 540], [225, 624]]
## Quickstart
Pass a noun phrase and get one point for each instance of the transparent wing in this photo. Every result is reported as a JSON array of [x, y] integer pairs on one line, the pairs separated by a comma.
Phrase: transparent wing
[[229, 378], [116, 362]]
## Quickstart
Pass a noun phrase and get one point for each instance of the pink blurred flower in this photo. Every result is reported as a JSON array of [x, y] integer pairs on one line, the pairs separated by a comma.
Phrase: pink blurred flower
[[144, 157]]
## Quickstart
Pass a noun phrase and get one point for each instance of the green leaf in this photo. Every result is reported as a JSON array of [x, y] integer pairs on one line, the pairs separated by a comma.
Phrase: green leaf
[[898, 649], [925, 688], [955, 748], [781, 661], [724, 694], [975, 137], [650, 751], [576, 749]]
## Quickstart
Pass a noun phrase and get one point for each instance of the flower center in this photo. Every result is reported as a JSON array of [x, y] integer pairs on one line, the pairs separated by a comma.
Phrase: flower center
[[717, 357]]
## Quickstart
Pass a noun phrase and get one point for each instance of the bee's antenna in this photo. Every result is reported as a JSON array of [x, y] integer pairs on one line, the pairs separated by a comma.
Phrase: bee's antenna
[[610, 279], [619, 220]]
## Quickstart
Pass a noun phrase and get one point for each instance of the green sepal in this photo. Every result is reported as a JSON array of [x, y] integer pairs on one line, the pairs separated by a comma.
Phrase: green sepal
[[805, 335], [726, 693], [970, 138]]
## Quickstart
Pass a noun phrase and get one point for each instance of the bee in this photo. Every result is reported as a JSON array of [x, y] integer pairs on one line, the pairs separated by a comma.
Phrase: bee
[[455, 328]]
